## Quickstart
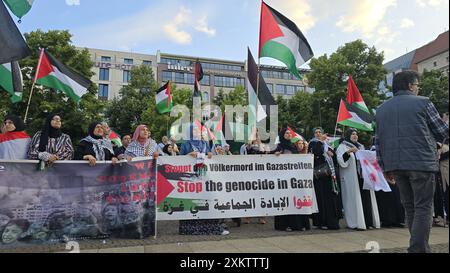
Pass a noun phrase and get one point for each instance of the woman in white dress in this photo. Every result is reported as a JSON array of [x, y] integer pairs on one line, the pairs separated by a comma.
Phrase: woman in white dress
[[360, 206]]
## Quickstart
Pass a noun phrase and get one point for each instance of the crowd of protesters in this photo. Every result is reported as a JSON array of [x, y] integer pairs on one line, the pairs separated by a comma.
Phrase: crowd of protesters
[[339, 190]]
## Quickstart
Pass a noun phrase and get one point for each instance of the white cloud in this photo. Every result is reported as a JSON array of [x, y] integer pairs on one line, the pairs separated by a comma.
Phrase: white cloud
[[172, 29], [364, 15], [202, 26], [406, 23], [431, 3], [73, 2], [298, 11], [154, 23]]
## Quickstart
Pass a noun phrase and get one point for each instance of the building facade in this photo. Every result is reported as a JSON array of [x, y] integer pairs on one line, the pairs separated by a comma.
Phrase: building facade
[[432, 56], [112, 72], [113, 69]]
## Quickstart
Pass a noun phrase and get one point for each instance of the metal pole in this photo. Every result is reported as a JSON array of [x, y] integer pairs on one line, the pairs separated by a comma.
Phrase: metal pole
[[32, 86]]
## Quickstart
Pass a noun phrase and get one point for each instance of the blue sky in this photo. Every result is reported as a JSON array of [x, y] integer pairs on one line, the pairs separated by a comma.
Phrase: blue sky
[[223, 29]]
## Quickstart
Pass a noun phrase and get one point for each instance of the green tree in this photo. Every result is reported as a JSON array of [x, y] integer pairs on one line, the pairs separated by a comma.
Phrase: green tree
[[124, 113], [329, 78], [302, 118], [136, 105], [76, 117], [434, 84]]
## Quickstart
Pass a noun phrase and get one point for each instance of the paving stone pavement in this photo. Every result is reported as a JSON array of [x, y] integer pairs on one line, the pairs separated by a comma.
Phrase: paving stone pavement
[[251, 237]]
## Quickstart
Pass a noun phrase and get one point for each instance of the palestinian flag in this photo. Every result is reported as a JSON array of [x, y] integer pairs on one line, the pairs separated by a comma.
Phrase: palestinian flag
[[53, 74], [163, 99], [280, 38], [333, 142], [354, 117], [14, 145], [114, 137], [19, 7], [11, 80], [198, 76], [220, 129], [205, 130], [259, 103], [12, 45], [295, 137], [354, 97]]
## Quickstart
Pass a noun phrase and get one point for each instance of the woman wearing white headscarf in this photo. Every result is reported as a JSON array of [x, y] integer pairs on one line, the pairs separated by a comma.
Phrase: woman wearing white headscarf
[[360, 206]]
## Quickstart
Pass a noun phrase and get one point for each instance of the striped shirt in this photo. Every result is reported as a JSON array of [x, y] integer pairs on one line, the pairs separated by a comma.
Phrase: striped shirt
[[135, 149], [61, 147]]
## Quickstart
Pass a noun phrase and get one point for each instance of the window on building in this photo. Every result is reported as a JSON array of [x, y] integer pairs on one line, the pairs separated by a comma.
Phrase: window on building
[[147, 63], [223, 81], [190, 78], [103, 91], [205, 96], [300, 88], [434, 64], [179, 77], [104, 74], [270, 87], [127, 61], [205, 80], [280, 89], [126, 75], [290, 89], [166, 76], [105, 59]]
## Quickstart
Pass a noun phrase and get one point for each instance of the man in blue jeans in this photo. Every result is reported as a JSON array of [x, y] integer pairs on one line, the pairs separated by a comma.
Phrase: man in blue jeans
[[408, 127]]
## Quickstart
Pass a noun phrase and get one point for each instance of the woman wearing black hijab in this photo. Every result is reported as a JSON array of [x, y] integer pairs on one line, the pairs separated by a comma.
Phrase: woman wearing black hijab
[[94, 147], [327, 194], [50, 144], [289, 222]]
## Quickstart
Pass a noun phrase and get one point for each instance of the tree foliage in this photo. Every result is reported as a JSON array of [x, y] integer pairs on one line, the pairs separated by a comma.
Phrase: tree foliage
[[434, 84], [76, 117]]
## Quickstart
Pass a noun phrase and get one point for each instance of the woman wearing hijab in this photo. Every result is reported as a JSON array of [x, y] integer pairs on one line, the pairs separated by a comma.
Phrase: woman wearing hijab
[[142, 144], [198, 148], [168, 150], [327, 191], [14, 141], [360, 206], [94, 147], [289, 222], [50, 144]]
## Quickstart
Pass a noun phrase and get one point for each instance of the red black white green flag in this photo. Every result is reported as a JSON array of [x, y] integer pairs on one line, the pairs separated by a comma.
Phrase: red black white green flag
[[354, 96], [198, 76], [53, 74], [281, 39], [354, 117], [163, 99]]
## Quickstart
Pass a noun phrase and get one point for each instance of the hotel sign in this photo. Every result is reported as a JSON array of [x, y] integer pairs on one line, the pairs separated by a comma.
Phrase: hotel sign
[[114, 65]]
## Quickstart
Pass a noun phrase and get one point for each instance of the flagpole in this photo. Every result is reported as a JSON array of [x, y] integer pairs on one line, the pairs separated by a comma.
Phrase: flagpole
[[32, 86]]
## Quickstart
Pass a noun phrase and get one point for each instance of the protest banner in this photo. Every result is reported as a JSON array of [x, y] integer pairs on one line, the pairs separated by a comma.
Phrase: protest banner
[[72, 201], [235, 186]]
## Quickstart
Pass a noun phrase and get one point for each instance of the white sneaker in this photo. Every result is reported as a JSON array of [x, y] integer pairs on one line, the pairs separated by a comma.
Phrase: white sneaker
[[225, 232]]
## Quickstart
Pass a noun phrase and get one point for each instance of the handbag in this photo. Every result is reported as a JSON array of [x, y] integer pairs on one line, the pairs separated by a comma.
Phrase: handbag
[[322, 170]]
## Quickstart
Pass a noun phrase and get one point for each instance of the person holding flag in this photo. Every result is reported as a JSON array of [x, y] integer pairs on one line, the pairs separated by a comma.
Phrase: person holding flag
[[360, 205]]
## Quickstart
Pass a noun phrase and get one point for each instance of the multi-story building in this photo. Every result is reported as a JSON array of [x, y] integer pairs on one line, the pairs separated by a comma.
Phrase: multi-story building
[[112, 72], [113, 69], [432, 56]]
